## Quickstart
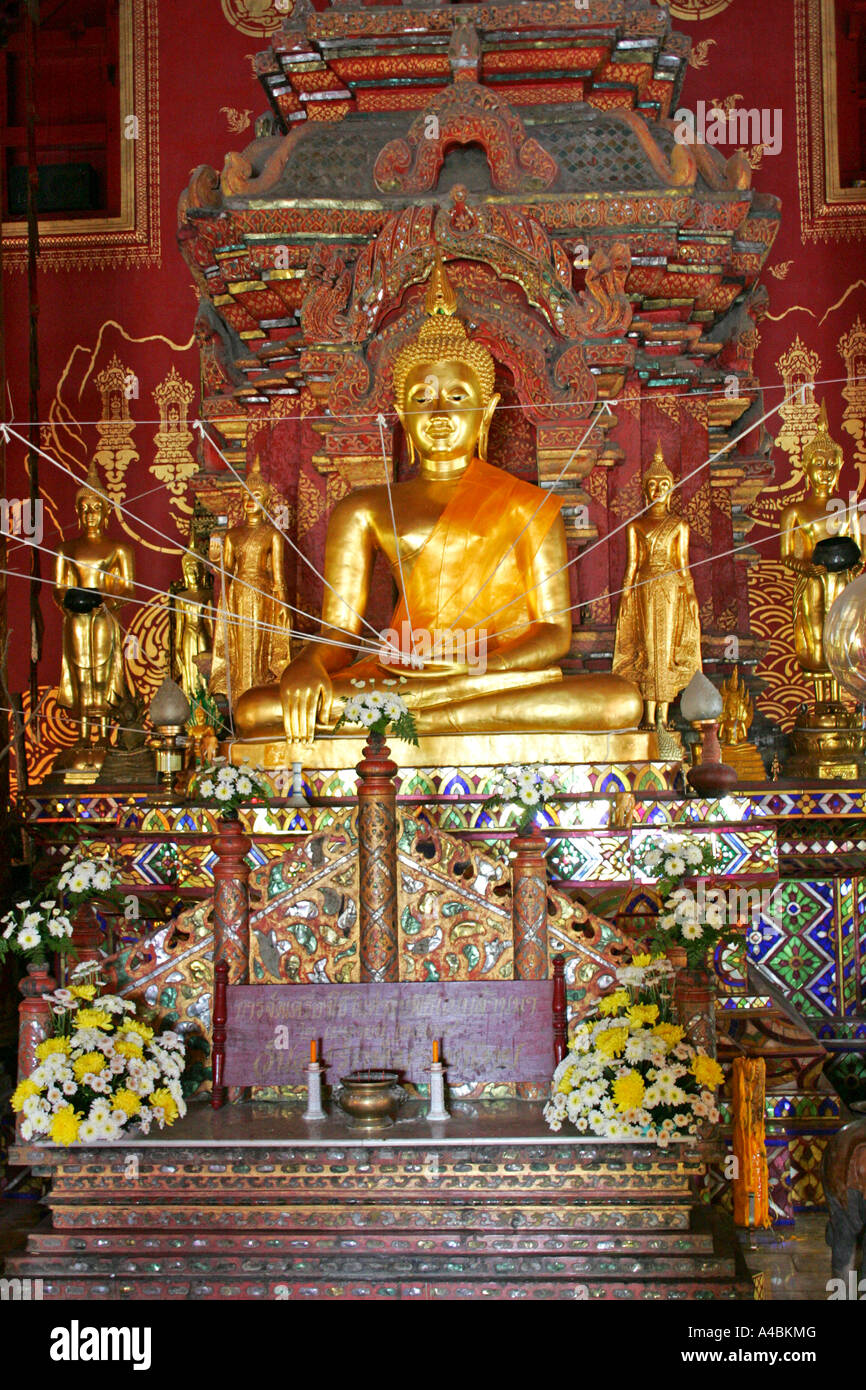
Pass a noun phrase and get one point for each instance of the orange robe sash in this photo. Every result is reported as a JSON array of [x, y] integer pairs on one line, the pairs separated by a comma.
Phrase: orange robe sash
[[479, 558]]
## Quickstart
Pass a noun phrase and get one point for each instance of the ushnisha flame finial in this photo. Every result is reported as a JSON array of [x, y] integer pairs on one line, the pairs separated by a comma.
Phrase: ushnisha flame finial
[[440, 298], [92, 486], [442, 338]]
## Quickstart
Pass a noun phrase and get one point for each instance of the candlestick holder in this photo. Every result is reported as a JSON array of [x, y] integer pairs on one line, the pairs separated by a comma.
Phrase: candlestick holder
[[314, 1109], [437, 1109]]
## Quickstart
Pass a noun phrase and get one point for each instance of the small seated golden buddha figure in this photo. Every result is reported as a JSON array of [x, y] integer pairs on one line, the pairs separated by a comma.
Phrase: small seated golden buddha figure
[[738, 711], [479, 559], [820, 516], [94, 574]]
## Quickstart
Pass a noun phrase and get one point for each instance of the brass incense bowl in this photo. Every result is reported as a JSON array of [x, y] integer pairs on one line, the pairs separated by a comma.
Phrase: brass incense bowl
[[369, 1099]]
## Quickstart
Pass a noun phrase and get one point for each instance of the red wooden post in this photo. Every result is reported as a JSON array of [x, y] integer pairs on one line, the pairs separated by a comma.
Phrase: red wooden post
[[529, 923], [377, 863], [231, 901], [220, 1015], [529, 907], [560, 1019], [35, 1021], [695, 1003]]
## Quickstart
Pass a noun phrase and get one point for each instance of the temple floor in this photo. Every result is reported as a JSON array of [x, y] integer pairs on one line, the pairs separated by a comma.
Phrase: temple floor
[[794, 1259]]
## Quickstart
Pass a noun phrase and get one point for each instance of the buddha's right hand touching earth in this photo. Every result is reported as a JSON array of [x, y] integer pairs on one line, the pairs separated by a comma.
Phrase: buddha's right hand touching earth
[[306, 695]]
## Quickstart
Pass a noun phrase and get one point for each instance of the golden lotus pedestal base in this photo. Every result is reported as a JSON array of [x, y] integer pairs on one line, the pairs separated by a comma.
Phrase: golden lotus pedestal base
[[337, 752], [828, 744], [746, 761], [78, 766]]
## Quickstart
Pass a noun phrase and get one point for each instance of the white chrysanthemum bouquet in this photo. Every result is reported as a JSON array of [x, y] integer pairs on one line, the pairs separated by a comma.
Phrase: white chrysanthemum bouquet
[[37, 928], [101, 1072], [526, 788], [227, 788], [84, 876], [381, 712], [630, 1073], [694, 919]]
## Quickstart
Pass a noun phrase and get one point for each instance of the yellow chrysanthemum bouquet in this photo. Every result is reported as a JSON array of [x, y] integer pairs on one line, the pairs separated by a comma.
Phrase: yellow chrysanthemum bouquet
[[630, 1073], [102, 1072]]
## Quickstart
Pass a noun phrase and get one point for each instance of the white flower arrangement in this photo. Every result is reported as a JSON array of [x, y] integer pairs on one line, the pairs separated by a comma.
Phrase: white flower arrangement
[[527, 788], [102, 1071], [630, 1073], [228, 788], [381, 712], [84, 876], [698, 920], [42, 926]]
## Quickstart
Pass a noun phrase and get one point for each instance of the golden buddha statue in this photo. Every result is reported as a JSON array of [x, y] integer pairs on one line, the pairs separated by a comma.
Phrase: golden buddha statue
[[252, 637], [818, 517], [193, 624], [658, 631], [738, 711], [93, 576], [479, 560], [202, 748]]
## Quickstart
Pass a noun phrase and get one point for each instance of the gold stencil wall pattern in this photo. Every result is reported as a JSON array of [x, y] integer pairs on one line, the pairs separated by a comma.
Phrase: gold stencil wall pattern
[[852, 347], [799, 368], [116, 451], [173, 463], [771, 594]]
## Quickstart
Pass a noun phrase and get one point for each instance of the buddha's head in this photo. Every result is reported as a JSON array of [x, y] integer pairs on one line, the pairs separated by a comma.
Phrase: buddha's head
[[443, 383], [257, 497], [91, 505], [658, 482], [191, 570], [823, 458]]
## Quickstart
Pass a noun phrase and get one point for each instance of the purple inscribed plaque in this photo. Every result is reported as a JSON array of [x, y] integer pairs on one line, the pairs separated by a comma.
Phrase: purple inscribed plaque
[[489, 1030]]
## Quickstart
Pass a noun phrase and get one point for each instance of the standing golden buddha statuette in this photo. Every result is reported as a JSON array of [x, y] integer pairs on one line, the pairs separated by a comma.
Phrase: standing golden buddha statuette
[[827, 738], [94, 574], [658, 633]]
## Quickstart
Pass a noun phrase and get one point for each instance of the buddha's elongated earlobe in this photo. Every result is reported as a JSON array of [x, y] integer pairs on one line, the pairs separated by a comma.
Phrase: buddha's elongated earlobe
[[484, 432]]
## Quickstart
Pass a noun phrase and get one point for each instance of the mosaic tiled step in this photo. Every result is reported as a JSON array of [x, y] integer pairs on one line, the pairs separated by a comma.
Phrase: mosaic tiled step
[[251, 1205], [489, 1216], [47, 1241], [359, 1187], [381, 1264], [133, 1289]]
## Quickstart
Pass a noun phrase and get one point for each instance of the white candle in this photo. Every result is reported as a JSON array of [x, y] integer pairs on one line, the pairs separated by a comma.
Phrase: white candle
[[314, 1109], [437, 1109]]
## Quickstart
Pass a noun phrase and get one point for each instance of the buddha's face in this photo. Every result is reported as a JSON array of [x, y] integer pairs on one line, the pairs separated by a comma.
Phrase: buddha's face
[[92, 515], [443, 411], [658, 492], [823, 474], [256, 501], [190, 570]]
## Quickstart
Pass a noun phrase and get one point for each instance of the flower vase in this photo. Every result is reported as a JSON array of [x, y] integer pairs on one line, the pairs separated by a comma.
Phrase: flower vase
[[678, 957], [695, 1003]]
